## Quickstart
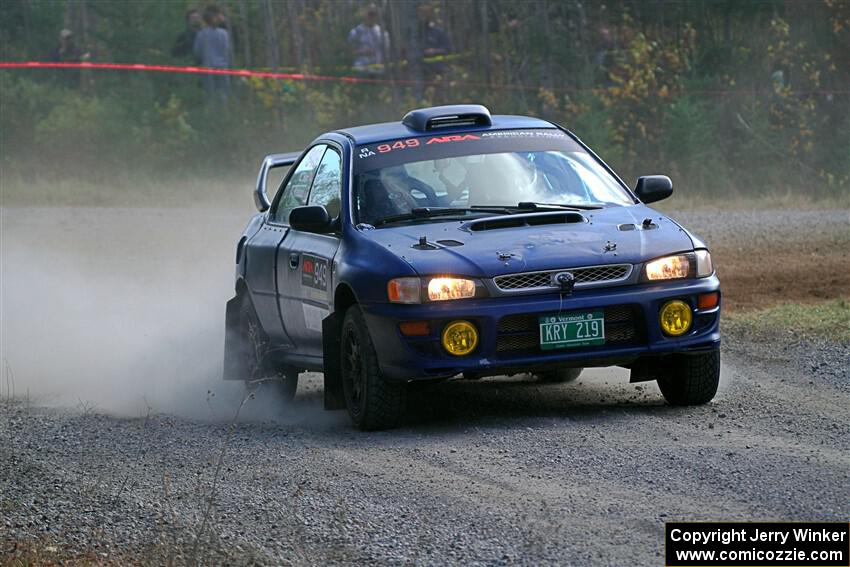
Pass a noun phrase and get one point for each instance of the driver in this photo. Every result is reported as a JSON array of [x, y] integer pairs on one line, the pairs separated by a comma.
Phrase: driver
[[388, 195], [495, 179], [398, 184]]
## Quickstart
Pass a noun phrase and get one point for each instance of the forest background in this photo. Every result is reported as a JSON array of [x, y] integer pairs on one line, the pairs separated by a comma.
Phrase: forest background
[[728, 97]]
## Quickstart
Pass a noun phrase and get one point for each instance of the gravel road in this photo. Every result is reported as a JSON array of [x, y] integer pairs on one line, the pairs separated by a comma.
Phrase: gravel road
[[111, 447]]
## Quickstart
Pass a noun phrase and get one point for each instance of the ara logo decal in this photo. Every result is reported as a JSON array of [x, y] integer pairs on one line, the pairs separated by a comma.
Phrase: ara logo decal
[[314, 272], [454, 138], [365, 152]]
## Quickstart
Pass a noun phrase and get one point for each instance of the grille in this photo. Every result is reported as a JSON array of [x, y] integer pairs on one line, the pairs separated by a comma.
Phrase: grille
[[611, 273], [519, 333]]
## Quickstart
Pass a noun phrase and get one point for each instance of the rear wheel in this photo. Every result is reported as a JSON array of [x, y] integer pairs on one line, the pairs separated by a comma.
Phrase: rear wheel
[[560, 375], [690, 380], [373, 401], [255, 367], [286, 384]]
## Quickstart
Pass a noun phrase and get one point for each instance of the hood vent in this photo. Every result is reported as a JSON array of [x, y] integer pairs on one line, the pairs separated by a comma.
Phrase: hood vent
[[517, 221], [450, 242]]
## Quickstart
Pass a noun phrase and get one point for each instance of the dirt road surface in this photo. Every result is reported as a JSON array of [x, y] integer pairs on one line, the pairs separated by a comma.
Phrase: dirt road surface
[[120, 427]]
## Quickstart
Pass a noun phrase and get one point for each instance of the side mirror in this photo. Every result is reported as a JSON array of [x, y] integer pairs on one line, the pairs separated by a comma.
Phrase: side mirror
[[312, 218], [652, 188]]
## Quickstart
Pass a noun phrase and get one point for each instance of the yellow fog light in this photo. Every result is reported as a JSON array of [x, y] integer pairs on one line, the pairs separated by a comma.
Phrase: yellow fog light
[[460, 338], [676, 318]]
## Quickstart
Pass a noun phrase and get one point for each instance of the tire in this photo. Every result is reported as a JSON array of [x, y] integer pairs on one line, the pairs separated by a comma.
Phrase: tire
[[252, 344], [373, 402], [254, 363], [286, 384], [560, 375], [691, 380]]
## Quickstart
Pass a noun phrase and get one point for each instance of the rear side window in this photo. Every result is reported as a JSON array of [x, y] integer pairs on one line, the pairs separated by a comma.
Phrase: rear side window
[[294, 194]]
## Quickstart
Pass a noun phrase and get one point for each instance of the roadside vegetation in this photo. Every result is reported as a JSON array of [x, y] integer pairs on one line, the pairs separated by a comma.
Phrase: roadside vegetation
[[731, 99], [824, 320]]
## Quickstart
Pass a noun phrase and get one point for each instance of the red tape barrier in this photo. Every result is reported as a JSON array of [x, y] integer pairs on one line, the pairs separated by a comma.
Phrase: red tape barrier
[[189, 70], [333, 78]]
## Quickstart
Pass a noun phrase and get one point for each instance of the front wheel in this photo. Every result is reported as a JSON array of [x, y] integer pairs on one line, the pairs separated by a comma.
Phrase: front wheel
[[373, 402], [690, 380]]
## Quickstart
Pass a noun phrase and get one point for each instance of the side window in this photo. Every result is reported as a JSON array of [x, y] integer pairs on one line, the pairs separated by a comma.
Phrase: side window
[[295, 192], [328, 183]]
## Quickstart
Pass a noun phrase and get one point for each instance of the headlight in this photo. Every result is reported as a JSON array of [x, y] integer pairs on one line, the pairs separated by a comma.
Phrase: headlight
[[440, 289], [404, 290], [668, 268], [704, 266], [410, 289]]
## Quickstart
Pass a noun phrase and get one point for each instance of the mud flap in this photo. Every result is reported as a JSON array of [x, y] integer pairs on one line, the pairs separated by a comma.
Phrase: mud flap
[[334, 397], [232, 341], [648, 368]]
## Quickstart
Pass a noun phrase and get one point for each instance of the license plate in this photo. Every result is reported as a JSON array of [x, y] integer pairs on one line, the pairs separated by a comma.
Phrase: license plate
[[572, 330]]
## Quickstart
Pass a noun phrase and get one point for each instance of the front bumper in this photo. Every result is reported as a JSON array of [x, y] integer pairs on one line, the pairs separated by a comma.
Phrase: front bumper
[[507, 327]]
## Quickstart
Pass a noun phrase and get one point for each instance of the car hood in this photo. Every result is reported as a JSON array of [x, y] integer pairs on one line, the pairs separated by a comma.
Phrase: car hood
[[606, 236]]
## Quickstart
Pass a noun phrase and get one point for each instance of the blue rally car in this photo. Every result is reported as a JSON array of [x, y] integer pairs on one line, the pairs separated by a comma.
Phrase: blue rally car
[[459, 243]]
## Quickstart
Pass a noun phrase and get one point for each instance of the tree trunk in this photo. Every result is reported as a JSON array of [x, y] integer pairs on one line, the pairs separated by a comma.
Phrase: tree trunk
[[485, 40], [414, 51], [272, 43], [246, 33], [293, 9]]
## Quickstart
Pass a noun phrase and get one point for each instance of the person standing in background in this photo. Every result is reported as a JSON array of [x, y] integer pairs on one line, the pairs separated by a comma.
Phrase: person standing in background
[[185, 43], [435, 42], [68, 52], [224, 23], [370, 44], [212, 49]]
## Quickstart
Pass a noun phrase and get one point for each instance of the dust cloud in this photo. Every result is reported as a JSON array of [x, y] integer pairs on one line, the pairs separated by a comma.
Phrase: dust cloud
[[120, 310]]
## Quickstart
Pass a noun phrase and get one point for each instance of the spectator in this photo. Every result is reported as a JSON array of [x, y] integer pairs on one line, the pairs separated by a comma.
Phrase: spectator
[[212, 49], [185, 43], [435, 43], [224, 23], [68, 52], [370, 43], [604, 58]]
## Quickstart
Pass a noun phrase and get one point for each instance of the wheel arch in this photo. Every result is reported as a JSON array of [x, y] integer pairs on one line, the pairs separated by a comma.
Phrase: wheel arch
[[241, 286], [344, 297]]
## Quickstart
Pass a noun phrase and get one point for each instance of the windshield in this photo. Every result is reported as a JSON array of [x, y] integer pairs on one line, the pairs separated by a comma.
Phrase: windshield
[[473, 172]]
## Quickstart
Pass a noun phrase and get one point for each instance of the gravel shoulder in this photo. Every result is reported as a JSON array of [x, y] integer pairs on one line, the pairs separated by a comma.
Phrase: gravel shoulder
[[495, 472], [110, 451]]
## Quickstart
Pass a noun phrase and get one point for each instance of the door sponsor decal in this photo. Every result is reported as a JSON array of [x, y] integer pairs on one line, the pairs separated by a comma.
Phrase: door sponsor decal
[[314, 272]]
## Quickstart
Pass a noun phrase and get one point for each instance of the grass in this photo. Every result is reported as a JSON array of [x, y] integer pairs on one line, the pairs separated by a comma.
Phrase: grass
[[827, 320]]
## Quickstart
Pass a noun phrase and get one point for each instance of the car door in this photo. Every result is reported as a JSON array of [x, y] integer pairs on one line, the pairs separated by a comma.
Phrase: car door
[[262, 248], [294, 194], [309, 260], [261, 277]]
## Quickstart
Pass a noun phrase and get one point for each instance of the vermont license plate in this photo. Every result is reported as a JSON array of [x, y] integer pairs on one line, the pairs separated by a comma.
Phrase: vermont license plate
[[572, 330]]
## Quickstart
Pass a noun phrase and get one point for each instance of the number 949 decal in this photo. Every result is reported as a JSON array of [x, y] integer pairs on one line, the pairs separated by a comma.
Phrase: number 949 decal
[[398, 145]]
